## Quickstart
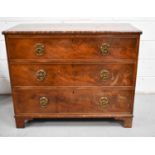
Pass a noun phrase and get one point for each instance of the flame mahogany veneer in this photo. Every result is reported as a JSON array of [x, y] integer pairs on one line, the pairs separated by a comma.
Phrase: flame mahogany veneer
[[73, 71]]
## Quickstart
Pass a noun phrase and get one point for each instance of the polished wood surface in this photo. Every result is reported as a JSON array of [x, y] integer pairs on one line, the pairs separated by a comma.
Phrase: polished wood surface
[[72, 74], [73, 100], [87, 47], [81, 71]]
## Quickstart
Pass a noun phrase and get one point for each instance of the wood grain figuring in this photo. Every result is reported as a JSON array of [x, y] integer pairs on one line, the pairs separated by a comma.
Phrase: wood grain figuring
[[73, 100], [72, 75], [73, 48], [73, 63]]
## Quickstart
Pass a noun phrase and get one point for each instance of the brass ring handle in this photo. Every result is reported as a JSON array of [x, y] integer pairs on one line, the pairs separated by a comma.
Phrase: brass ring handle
[[105, 49], [41, 74], [43, 101], [104, 74], [104, 101], [39, 49]]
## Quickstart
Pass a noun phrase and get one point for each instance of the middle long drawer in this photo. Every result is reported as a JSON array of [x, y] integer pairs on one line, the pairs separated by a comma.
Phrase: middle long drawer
[[72, 74]]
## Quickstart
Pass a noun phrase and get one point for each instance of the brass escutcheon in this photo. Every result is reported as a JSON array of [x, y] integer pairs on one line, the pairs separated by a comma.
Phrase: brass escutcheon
[[103, 101], [105, 49], [43, 101], [39, 49], [41, 74], [104, 74]]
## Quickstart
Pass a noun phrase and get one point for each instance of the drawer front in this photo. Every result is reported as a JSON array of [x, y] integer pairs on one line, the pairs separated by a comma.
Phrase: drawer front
[[72, 100], [72, 48], [72, 74]]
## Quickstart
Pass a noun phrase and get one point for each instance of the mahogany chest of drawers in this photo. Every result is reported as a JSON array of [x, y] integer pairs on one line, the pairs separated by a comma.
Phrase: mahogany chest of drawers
[[73, 71]]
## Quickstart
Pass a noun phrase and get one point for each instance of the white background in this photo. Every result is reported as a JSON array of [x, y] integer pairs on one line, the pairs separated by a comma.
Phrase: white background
[[81, 9], [146, 65]]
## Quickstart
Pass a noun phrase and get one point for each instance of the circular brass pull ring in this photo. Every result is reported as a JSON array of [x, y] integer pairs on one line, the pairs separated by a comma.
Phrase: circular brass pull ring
[[105, 49], [104, 74], [39, 49], [43, 101], [41, 74], [103, 101]]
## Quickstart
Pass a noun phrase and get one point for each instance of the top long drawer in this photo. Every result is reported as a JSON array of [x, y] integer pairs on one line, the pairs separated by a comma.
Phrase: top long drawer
[[96, 47]]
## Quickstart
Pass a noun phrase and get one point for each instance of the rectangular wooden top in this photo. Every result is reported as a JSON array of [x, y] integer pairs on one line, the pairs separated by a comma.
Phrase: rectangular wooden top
[[73, 28]]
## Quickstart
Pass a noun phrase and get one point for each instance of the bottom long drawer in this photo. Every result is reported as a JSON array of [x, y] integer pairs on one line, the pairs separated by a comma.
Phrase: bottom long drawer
[[72, 100]]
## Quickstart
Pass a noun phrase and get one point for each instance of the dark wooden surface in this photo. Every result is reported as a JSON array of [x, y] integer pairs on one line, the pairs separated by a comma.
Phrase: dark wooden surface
[[73, 61]]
